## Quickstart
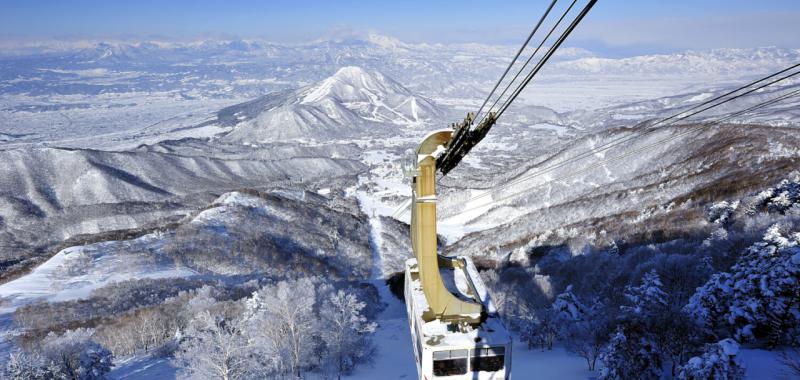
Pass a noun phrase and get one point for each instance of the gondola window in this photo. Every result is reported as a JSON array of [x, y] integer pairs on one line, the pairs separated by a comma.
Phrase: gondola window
[[449, 363]]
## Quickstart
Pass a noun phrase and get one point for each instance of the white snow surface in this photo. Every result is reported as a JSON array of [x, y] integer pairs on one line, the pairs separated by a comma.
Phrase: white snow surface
[[557, 129], [75, 272]]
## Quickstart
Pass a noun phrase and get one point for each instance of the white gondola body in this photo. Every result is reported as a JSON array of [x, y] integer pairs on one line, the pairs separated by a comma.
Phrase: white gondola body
[[445, 350]]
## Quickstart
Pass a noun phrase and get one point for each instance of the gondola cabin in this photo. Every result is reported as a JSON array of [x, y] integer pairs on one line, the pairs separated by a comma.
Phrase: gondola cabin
[[456, 331], [452, 349]]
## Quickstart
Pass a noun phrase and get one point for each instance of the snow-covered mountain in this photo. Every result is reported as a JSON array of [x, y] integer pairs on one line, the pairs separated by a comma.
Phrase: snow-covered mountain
[[172, 126], [457, 74], [76, 271], [352, 100], [713, 63], [783, 113], [51, 195], [658, 179]]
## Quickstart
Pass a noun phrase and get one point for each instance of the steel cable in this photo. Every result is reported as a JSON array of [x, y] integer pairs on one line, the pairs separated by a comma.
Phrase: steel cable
[[513, 61], [630, 153], [673, 119]]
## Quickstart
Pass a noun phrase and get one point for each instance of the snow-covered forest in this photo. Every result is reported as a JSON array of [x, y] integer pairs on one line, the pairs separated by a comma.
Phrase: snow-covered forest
[[240, 315], [680, 308], [281, 329]]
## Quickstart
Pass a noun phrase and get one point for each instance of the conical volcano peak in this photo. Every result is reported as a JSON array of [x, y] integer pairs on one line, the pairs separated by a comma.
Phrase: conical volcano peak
[[354, 84], [350, 72], [350, 102]]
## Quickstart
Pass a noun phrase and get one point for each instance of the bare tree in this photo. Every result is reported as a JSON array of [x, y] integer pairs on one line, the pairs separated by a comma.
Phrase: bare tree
[[541, 329]]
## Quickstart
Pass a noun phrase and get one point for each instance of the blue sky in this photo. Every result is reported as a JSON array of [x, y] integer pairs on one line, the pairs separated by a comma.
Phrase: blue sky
[[614, 26]]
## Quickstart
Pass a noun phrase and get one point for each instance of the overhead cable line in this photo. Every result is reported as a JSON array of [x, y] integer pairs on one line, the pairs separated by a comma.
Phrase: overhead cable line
[[682, 115], [535, 51], [464, 137], [546, 57], [633, 152], [695, 110], [513, 61]]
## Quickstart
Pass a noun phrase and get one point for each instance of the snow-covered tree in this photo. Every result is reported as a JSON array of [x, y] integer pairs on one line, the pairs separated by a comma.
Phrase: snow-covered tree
[[783, 197], [215, 348], [96, 362], [719, 361], [613, 248], [790, 358], [760, 295], [71, 355], [203, 300], [584, 330], [345, 331], [281, 331], [19, 367], [23, 365], [677, 337], [65, 350], [284, 323], [630, 358], [654, 325], [721, 212], [568, 307], [648, 298], [614, 363]]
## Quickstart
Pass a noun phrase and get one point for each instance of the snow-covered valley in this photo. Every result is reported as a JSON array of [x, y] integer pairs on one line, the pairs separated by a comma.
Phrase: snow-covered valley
[[149, 184]]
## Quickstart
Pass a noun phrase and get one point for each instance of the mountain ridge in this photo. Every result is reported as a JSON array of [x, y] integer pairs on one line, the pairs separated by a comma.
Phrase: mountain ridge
[[351, 101]]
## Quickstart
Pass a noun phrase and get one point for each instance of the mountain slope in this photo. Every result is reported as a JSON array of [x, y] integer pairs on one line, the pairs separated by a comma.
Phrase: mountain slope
[[49, 195], [674, 174], [783, 113], [352, 101], [709, 63]]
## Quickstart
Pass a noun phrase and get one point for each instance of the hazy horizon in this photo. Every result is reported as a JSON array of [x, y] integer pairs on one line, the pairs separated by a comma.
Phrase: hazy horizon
[[616, 28]]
